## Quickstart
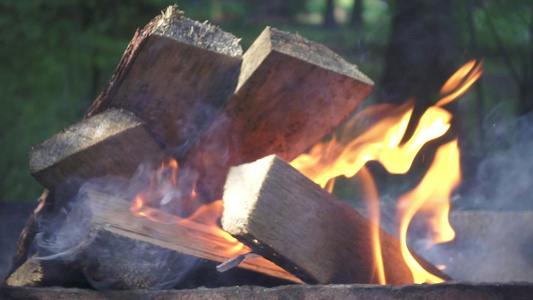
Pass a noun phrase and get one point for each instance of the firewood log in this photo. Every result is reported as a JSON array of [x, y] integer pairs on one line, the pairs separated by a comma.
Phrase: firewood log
[[290, 220], [292, 92], [112, 143], [175, 75], [116, 249], [113, 216]]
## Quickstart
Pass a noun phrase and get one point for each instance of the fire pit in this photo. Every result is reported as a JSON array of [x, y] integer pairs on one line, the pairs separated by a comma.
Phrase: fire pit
[[191, 163]]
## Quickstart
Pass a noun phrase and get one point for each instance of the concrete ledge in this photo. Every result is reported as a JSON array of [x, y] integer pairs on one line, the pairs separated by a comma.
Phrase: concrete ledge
[[453, 290]]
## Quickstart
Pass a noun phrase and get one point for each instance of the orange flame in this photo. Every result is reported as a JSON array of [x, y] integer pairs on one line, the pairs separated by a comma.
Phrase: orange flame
[[381, 142], [162, 183], [460, 81], [333, 159]]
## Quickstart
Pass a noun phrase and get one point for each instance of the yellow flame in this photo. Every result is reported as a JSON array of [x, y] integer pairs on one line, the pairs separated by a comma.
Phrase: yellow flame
[[333, 159], [381, 142], [208, 214], [431, 195]]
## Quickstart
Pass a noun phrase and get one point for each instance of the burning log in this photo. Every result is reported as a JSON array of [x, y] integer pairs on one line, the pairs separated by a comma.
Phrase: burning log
[[106, 224], [113, 216], [292, 92], [288, 219], [175, 75], [112, 143]]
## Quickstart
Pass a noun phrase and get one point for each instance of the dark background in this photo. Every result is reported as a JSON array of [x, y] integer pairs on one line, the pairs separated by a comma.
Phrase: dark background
[[57, 56]]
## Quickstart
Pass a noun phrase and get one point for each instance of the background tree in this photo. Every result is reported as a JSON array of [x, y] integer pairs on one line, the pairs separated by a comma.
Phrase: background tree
[[329, 14], [421, 51], [356, 19]]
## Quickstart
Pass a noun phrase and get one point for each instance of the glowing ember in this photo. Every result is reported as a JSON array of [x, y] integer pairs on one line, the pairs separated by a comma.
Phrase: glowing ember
[[381, 142], [164, 189]]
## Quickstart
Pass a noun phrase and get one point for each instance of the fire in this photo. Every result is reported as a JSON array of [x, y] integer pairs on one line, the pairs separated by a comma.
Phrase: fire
[[164, 188], [381, 141], [382, 129]]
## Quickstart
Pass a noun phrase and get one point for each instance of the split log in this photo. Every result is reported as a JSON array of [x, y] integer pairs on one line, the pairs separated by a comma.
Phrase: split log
[[175, 75], [288, 219], [292, 92], [112, 143]]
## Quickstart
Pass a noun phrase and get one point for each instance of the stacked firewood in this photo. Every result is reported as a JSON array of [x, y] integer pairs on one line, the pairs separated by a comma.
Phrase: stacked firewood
[[184, 90]]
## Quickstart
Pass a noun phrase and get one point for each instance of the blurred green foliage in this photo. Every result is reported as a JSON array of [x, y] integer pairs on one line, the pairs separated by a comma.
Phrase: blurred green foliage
[[57, 55]]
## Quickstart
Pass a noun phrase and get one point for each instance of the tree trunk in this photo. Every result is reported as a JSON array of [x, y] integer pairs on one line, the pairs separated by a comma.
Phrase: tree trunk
[[526, 86], [419, 57], [356, 20], [480, 101], [329, 18]]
